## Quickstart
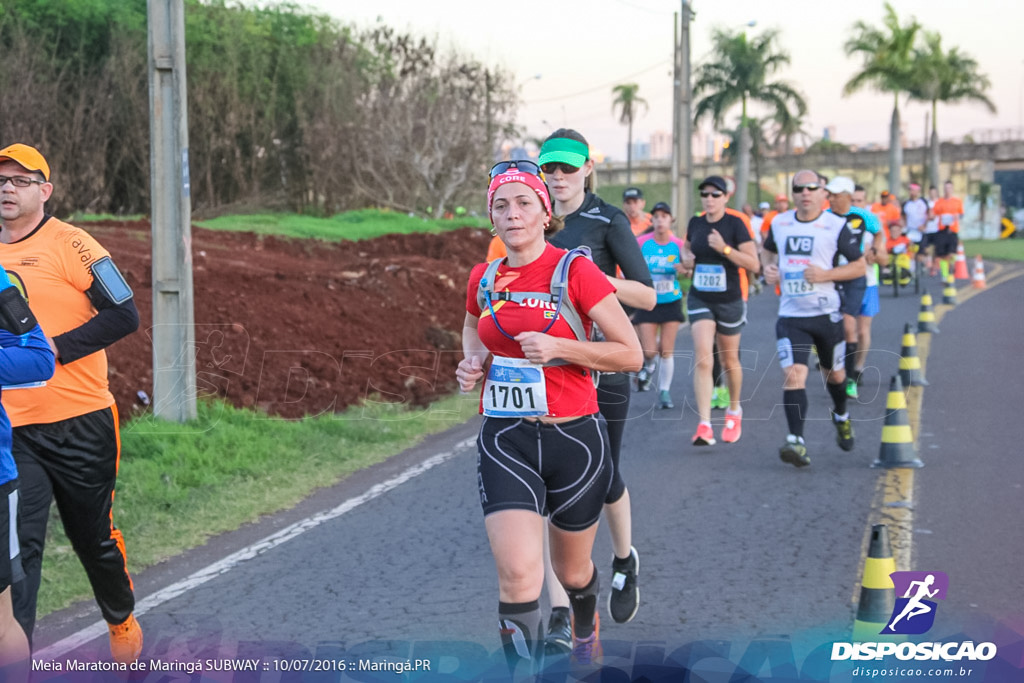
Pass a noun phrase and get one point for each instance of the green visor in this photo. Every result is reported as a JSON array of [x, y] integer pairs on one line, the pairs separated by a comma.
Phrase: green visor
[[564, 150]]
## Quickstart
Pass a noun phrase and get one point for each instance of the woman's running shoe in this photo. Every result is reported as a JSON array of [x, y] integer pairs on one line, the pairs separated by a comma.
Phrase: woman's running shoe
[[587, 651], [558, 640], [665, 400], [733, 428], [704, 436]]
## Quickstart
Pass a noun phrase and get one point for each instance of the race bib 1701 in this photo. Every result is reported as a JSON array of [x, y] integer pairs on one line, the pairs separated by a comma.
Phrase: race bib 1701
[[514, 388]]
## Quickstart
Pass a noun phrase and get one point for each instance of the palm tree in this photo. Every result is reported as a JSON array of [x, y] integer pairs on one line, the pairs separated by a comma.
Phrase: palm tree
[[738, 72], [758, 146], [946, 77], [628, 102], [789, 126], [888, 67]]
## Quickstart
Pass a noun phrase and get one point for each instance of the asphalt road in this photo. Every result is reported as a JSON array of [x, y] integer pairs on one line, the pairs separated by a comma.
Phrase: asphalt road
[[747, 564]]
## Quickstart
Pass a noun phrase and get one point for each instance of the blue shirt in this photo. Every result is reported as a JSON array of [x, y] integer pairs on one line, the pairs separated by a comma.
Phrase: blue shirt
[[23, 359], [662, 260]]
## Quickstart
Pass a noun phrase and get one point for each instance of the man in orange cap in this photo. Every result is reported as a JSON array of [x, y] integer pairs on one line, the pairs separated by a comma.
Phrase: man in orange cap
[[65, 437]]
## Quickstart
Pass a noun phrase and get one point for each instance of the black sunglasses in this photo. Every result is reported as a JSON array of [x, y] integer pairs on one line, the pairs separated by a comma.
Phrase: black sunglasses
[[797, 189], [716, 195], [559, 166], [518, 164]]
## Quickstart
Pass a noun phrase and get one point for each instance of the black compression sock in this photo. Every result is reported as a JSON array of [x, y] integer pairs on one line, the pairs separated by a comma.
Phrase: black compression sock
[[838, 394], [851, 351], [795, 403], [584, 606]]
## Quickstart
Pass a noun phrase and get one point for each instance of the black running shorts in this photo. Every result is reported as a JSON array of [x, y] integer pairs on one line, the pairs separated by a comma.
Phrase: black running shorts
[[729, 317], [796, 336], [559, 470], [10, 559]]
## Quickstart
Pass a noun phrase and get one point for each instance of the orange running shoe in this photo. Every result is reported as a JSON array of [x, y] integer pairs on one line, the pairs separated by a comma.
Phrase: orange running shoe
[[733, 428], [704, 436], [126, 640]]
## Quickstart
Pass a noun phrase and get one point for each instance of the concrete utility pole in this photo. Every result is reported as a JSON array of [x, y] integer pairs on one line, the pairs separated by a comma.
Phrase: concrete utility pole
[[682, 133], [174, 347]]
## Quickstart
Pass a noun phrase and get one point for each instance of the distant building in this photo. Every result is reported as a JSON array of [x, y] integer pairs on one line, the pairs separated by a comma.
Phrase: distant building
[[641, 151], [661, 145]]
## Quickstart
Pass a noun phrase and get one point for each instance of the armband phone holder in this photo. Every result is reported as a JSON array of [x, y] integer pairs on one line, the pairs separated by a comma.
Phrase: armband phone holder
[[15, 315], [108, 279]]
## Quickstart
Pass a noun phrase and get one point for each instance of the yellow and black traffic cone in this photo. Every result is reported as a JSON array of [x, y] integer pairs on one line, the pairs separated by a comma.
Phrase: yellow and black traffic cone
[[877, 592], [926, 317], [949, 292], [911, 373], [897, 439]]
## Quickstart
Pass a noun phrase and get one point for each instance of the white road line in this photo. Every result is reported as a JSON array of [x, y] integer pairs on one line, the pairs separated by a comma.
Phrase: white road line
[[216, 569]]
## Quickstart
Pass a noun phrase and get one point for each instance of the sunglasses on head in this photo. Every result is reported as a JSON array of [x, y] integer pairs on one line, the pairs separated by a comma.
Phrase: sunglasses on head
[[559, 166], [810, 187], [518, 164], [715, 194]]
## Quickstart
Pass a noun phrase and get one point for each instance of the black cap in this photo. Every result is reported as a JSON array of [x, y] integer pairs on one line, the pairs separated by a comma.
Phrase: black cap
[[715, 181], [633, 193], [662, 206]]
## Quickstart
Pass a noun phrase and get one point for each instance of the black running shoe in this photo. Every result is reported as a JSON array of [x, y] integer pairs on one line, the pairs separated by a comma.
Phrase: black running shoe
[[625, 596], [558, 640], [794, 452], [844, 433]]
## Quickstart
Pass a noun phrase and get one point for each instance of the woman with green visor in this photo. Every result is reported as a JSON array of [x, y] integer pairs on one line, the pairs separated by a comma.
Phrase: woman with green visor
[[568, 169]]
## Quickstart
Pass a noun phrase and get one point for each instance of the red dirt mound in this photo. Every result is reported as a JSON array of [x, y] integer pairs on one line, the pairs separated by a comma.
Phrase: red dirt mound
[[302, 327]]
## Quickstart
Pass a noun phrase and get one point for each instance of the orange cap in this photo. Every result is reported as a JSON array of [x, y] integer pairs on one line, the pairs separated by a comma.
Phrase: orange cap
[[781, 198], [28, 157]]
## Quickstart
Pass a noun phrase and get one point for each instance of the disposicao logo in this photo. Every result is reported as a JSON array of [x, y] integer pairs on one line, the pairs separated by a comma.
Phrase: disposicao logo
[[914, 613]]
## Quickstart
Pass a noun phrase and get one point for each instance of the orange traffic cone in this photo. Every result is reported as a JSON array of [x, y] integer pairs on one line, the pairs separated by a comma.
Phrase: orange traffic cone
[[960, 269], [979, 273]]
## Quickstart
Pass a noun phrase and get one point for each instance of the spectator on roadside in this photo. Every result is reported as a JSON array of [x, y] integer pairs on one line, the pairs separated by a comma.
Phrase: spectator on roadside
[[66, 442]]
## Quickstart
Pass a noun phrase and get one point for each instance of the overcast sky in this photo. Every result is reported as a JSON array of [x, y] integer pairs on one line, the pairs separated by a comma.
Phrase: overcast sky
[[580, 49]]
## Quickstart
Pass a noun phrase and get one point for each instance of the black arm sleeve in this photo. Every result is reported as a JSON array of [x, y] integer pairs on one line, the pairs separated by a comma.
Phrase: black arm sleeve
[[769, 242], [111, 323], [626, 251], [849, 244]]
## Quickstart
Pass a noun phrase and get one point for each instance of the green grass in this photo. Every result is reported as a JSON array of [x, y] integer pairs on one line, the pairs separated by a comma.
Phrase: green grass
[[87, 217], [1006, 250], [352, 225], [179, 485]]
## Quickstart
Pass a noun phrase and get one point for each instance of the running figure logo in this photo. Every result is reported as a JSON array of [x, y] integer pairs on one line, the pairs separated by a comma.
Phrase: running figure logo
[[914, 613]]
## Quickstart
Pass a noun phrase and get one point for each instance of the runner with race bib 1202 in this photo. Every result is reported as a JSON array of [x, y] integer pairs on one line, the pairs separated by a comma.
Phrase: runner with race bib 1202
[[718, 245]]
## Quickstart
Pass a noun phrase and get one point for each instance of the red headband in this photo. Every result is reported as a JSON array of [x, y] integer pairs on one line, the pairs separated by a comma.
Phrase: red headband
[[517, 176]]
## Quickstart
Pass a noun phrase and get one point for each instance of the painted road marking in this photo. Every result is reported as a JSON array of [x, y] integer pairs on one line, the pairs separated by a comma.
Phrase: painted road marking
[[62, 647], [894, 493]]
